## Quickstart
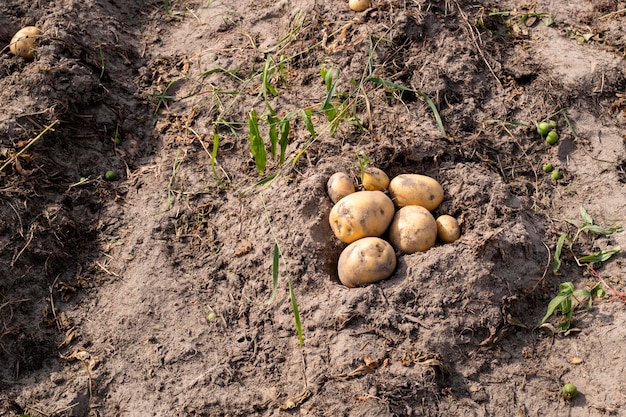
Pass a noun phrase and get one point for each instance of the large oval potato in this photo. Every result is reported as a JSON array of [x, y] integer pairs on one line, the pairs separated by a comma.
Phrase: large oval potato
[[448, 228], [366, 261], [23, 42], [339, 185], [413, 229], [374, 179], [361, 214], [416, 190]]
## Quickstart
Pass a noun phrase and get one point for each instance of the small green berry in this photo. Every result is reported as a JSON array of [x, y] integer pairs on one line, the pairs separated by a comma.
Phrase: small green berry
[[110, 176], [552, 137], [552, 124], [556, 175], [543, 128], [547, 167], [569, 391]]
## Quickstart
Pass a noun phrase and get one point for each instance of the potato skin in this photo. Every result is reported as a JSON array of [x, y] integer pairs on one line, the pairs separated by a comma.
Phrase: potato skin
[[359, 5], [338, 186], [448, 228], [23, 42], [416, 190], [413, 229], [374, 179], [366, 261], [361, 214]]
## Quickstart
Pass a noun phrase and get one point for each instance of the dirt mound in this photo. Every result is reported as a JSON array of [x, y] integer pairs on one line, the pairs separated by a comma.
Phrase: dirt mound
[[154, 290]]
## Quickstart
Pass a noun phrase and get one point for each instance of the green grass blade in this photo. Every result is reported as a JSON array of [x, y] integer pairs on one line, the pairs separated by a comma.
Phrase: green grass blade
[[267, 73], [424, 96], [296, 313], [284, 137], [556, 265], [257, 147], [216, 144]]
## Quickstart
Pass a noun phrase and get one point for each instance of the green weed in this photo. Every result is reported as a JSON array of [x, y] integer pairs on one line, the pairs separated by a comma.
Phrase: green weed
[[568, 297], [276, 258]]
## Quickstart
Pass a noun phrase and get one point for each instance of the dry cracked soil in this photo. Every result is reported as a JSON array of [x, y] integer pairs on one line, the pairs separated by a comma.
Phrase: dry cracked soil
[[151, 293]]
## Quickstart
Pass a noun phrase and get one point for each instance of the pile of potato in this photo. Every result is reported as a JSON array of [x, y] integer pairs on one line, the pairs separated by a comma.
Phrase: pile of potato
[[361, 218]]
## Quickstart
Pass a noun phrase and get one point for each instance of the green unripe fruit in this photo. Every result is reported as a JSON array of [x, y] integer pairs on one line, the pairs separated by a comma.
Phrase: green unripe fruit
[[110, 176], [547, 167], [552, 124], [556, 175], [543, 128], [569, 391], [552, 137]]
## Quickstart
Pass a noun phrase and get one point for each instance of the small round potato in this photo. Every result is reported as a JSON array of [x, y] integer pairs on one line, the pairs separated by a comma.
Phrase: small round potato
[[416, 190], [361, 214], [448, 228], [374, 179], [23, 42], [359, 5], [413, 229], [339, 185], [366, 261]]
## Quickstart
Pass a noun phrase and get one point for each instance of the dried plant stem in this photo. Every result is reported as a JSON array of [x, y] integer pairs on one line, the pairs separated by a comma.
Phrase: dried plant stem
[[32, 142]]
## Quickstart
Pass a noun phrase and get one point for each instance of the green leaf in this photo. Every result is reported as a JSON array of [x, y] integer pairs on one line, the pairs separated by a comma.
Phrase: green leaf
[[547, 20], [257, 147], [556, 265], [273, 121], [585, 215], [602, 256], [306, 115], [552, 306], [296, 313], [284, 137], [598, 230]]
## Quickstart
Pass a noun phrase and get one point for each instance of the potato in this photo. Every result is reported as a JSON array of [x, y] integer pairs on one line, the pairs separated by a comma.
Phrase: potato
[[448, 228], [374, 179], [413, 229], [361, 214], [359, 5], [23, 42], [416, 190], [366, 261], [339, 185]]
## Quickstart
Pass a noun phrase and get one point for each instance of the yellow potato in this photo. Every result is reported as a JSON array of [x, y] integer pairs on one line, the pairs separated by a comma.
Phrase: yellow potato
[[339, 185], [374, 179], [366, 261], [413, 229], [23, 42], [361, 214], [448, 228], [416, 190], [359, 5]]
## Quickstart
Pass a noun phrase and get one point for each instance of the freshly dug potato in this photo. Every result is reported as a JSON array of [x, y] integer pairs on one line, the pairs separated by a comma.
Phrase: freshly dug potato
[[374, 179], [339, 185], [448, 228], [366, 261], [361, 214], [413, 229], [359, 5], [416, 190], [23, 42]]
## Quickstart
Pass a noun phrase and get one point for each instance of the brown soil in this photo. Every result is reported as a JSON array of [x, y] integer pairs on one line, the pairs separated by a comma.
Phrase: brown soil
[[152, 294]]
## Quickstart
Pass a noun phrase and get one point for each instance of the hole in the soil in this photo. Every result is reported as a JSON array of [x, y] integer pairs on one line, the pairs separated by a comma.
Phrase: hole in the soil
[[525, 79]]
